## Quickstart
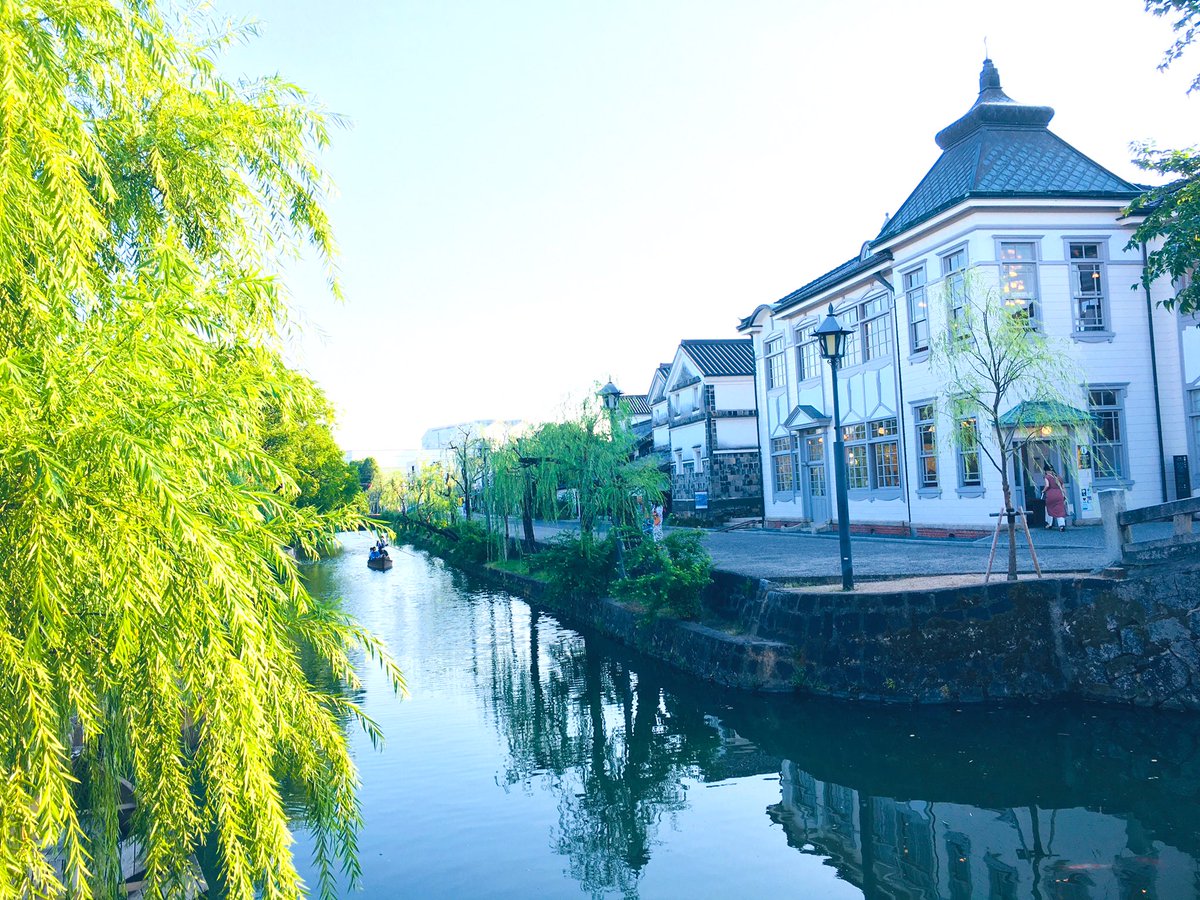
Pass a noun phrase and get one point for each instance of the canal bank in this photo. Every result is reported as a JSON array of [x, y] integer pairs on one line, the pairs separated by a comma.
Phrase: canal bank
[[1130, 641]]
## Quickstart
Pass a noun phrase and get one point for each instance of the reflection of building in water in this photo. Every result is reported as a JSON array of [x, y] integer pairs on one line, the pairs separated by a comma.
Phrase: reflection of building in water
[[935, 850]]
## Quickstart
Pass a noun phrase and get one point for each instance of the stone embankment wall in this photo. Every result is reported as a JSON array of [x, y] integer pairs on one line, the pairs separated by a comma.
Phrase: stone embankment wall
[[1134, 641], [1131, 642], [732, 660]]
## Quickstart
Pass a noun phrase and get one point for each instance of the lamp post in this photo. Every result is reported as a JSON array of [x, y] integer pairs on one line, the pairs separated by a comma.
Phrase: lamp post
[[611, 395], [831, 340]]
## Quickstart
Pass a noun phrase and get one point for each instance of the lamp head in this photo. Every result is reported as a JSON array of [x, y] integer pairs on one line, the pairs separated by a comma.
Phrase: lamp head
[[611, 395], [831, 337]]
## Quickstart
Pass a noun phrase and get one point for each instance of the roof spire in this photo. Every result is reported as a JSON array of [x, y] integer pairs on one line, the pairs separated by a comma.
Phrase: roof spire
[[993, 107]]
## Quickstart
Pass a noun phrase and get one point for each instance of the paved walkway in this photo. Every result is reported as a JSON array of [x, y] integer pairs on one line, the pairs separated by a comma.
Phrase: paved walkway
[[776, 554]]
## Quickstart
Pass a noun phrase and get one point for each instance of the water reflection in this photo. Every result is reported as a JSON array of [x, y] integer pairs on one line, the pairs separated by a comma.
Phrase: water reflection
[[613, 748], [641, 782]]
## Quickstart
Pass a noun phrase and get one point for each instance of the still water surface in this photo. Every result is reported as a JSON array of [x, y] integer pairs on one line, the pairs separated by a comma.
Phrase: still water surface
[[533, 760]]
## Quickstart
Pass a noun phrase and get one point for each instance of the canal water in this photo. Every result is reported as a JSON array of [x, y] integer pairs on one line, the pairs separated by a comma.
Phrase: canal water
[[533, 760]]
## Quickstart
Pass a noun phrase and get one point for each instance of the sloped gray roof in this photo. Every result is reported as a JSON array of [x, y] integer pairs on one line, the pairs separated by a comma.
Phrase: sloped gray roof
[[722, 357], [802, 416], [1001, 148], [832, 278], [638, 404]]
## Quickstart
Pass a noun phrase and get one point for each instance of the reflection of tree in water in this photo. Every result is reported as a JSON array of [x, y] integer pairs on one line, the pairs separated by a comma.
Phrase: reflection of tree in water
[[611, 745]]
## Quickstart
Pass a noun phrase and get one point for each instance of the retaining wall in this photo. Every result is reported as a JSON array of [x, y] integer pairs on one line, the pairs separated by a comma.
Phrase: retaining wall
[[1130, 642], [1134, 641]]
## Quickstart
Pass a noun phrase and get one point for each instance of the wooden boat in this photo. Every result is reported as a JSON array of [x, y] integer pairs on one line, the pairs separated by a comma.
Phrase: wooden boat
[[380, 563]]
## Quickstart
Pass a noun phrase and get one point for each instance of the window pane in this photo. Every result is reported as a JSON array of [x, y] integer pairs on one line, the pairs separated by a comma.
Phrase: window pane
[[887, 464], [918, 309], [857, 475], [851, 433], [1017, 251]]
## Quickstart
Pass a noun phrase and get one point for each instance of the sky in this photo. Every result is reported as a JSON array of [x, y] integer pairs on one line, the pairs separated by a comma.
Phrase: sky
[[536, 196]]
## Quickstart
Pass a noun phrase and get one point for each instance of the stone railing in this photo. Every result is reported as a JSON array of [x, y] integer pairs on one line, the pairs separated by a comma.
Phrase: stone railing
[[1119, 522]]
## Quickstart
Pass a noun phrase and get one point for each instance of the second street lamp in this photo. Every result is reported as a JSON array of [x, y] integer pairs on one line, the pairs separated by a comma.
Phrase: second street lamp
[[831, 340]]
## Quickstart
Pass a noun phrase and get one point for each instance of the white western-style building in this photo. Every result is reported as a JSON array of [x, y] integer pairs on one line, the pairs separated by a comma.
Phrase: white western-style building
[[1024, 211], [703, 416]]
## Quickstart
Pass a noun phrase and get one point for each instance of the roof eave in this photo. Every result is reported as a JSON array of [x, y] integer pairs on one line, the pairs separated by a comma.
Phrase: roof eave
[[959, 207], [842, 284]]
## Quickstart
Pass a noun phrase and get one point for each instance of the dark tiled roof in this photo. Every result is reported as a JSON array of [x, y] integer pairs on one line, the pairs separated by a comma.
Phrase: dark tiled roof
[[802, 416], [745, 323], [638, 404], [1003, 149], [832, 278], [722, 357]]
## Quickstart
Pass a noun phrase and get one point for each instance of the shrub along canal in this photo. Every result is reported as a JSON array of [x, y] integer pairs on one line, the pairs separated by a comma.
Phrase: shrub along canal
[[533, 760]]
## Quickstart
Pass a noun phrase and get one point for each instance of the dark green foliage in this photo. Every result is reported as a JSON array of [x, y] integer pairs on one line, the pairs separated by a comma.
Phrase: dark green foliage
[[472, 543], [667, 578], [298, 436], [1185, 26], [1172, 211], [575, 566], [1173, 215], [460, 543], [368, 472]]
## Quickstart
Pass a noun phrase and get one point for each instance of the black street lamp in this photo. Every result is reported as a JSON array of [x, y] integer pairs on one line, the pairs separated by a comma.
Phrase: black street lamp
[[831, 340], [611, 395]]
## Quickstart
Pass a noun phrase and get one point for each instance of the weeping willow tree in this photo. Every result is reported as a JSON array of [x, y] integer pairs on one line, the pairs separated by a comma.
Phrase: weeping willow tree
[[152, 624], [587, 456]]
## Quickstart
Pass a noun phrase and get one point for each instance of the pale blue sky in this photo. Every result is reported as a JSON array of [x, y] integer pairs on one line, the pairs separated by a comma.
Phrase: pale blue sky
[[537, 195]]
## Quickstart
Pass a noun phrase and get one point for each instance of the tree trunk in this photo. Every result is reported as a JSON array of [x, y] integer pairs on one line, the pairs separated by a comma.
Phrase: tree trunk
[[527, 515], [1011, 515]]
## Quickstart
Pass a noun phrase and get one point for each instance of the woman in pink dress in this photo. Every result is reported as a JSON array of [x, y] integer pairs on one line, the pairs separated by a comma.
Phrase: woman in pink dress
[[1056, 500]]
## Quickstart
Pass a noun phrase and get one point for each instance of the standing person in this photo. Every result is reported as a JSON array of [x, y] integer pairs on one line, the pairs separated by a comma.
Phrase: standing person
[[1056, 500], [656, 520]]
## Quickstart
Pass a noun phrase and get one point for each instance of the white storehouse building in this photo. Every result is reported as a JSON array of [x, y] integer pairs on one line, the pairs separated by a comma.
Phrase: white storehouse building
[[705, 431], [1023, 210]]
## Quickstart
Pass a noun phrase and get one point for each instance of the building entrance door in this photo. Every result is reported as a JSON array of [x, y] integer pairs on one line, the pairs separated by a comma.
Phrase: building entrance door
[[1029, 477], [816, 485]]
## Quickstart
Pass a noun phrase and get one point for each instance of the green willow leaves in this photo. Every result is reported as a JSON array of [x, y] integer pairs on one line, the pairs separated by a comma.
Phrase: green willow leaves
[[153, 625]]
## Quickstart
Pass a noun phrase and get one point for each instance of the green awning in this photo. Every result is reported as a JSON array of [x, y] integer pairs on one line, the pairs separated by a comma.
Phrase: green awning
[[1032, 413]]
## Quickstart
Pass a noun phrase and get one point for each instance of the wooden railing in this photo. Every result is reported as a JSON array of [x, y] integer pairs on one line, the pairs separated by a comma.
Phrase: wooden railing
[[1119, 522]]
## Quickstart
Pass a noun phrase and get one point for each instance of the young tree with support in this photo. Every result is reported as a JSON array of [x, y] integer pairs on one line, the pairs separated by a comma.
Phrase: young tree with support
[[1002, 377]]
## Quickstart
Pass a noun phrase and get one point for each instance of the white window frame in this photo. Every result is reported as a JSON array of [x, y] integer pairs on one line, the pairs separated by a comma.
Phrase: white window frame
[[925, 415], [1028, 300], [774, 356], [778, 453], [1079, 331], [877, 322], [1100, 477], [968, 487], [807, 351], [916, 299], [954, 279]]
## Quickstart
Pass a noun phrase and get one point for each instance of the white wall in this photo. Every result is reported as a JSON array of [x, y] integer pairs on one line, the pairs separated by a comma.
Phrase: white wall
[[734, 394], [736, 434]]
